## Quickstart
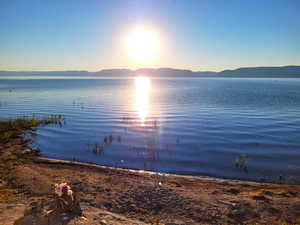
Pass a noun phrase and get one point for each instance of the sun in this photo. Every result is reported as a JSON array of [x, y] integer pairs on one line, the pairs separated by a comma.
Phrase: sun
[[142, 45]]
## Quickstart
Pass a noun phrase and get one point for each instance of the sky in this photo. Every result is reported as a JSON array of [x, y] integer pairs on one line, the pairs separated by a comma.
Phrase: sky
[[199, 35]]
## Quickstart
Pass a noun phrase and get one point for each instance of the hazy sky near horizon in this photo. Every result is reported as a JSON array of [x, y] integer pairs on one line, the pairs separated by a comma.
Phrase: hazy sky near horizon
[[197, 35]]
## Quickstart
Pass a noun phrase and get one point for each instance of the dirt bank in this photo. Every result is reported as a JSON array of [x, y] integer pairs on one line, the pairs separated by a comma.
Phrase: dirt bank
[[121, 196]]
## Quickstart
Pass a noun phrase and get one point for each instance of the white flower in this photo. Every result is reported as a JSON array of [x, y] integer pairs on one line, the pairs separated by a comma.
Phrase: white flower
[[63, 188], [57, 190]]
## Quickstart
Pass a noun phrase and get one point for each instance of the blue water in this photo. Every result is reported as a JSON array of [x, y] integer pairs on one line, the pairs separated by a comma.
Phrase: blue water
[[194, 126]]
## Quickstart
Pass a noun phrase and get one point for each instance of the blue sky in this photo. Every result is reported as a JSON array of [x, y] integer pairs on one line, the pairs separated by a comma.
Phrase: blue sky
[[197, 35]]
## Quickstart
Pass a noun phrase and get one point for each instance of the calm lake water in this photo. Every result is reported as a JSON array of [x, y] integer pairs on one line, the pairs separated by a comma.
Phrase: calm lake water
[[194, 126]]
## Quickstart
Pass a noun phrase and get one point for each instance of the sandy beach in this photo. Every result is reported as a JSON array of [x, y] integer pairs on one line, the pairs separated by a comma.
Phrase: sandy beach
[[120, 196]]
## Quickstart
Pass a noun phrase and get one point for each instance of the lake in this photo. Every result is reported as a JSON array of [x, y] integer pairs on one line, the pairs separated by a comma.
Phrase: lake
[[247, 129]]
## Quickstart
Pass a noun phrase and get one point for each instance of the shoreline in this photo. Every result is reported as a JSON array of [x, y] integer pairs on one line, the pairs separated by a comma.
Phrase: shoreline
[[50, 160], [140, 197]]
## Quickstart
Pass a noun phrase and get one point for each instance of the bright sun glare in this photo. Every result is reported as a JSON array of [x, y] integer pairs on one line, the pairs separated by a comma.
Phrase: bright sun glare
[[142, 45], [142, 92]]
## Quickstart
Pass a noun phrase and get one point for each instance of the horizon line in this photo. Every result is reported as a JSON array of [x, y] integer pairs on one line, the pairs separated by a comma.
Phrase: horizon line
[[154, 68]]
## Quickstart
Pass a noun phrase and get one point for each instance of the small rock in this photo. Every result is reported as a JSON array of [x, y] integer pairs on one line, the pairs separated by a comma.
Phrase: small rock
[[233, 191], [26, 151], [268, 193], [178, 185], [259, 197]]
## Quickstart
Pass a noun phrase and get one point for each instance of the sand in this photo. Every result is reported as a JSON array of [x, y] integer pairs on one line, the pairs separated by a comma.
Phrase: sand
[[121, 196]]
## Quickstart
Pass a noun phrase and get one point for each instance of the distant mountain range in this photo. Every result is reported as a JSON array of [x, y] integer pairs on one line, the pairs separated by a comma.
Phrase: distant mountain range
[[244, 72]]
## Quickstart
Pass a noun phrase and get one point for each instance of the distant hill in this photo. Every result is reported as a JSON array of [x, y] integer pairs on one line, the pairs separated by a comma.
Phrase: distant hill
[[284, 71], [245, 72], [161, 72], [45, 73]]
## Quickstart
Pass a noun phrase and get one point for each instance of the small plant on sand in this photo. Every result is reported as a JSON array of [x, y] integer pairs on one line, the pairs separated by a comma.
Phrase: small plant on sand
[[66, 200], [63, 189]]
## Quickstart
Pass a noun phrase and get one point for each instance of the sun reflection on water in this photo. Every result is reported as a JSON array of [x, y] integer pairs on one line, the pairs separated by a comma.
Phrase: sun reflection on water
[[142, 94]]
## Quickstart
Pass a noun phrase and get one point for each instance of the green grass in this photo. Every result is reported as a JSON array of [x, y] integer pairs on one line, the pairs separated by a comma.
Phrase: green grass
[[15, 127]]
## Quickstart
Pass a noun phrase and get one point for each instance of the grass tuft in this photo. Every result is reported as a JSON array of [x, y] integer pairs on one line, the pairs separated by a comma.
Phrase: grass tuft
[[16, 127]]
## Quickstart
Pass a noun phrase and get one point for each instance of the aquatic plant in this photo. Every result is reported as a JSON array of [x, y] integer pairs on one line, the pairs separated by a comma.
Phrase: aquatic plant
[[98, 148], [78, 104], [119, 139], [110, 138], [178, 140], [105, 139], [54, 119], [280, 179], [2, 104], [241, 162], [15, 127]]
